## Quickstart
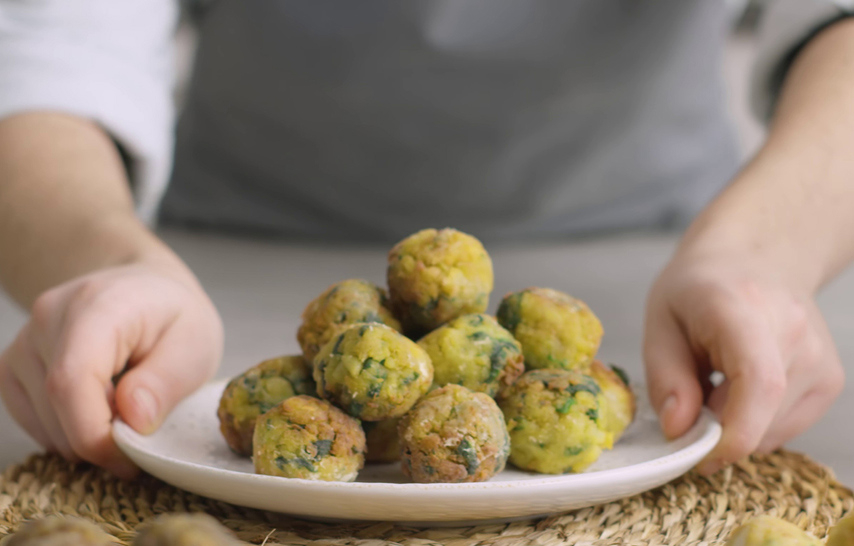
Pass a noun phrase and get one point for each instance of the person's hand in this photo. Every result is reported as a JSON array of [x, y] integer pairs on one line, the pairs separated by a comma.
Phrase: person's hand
[[726, 313], [159, 334]]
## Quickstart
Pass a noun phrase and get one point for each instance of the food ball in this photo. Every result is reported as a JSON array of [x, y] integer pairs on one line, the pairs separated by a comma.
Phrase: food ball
[[60, 531], [342, 304], [554, 421], [842, 534], [256, 391], [373, 372], [308, 438], [435, 276], [617, 399], [454, 435], [770, 531], [185, 530], [476, 352], [383, 441], [555, 329]]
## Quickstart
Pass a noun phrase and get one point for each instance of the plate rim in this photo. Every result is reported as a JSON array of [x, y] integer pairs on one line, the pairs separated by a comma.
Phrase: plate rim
[[706, 426]]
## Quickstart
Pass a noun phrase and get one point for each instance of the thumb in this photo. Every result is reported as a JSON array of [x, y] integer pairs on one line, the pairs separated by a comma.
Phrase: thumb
[[671, 374], [171, 371]]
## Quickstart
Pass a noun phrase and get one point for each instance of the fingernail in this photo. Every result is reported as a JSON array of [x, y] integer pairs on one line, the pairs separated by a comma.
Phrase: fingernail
[[668, 406], [147, 406]]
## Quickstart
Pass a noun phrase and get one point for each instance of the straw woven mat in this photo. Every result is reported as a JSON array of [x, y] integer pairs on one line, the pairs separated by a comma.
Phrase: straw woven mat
[[691, 510]]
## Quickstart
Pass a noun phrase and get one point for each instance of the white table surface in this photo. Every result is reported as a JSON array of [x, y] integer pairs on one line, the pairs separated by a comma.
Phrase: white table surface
[[260, 289]]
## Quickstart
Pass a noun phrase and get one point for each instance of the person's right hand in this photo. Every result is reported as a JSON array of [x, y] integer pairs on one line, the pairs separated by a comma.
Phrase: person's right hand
[[158, 333]]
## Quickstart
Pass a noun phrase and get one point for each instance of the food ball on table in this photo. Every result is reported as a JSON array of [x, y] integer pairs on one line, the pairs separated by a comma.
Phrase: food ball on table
[[256, 391], [618, 403], [476, 352], [770, 531], [341, 305], [383, 441], [554, 421], [308, 438], [60, 531], [555, 329], [435, 276], [373, 372], [185, 530], [454, 435]]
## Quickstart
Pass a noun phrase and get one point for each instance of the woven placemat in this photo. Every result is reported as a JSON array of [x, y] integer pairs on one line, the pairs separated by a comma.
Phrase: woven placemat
[[691, 510]]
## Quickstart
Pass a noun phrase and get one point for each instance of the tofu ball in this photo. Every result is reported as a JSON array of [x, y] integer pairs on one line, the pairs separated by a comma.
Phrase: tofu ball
[[185, 530], [435, 276], [256, 391], [308, 438], [770, 531], [60, 531], [454, 435], [617, 400], [476, 352], [555, 329], [341, 305], [842, 534], [554, 421], [373, 372], [383, 441]]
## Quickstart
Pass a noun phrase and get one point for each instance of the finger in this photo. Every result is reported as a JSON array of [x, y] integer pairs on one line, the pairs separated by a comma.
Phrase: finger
[[671, 373], [20, 408], [86, 357], [817, 379], [30, 373], [797, 420], [747, 355], [173, 370]]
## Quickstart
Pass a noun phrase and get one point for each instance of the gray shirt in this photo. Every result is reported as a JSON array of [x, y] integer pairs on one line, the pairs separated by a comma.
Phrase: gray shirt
[[370, 119], [502, 118]]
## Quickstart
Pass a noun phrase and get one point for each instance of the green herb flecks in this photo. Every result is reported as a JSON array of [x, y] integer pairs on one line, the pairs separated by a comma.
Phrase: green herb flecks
[[593, 414], [621, 373], [509, 312], [410, 379], [467, 451], [322, 447], [478, 336], [573, 451], [336, 349], [563, 409], [371, 316], [587, 386], [355, 408], [498, 358]]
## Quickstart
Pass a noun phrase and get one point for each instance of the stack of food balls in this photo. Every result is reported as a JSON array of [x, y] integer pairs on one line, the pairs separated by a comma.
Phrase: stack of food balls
[[424, 376]]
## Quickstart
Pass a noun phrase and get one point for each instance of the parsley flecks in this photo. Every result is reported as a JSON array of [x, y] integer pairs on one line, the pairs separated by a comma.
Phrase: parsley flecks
[[467, 451]]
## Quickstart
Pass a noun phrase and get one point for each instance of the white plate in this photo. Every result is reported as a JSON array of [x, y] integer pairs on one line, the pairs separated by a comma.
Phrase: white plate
[[189, 452]]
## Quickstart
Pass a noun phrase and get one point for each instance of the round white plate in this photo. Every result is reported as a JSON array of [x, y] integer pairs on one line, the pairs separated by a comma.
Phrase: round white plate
[[189, 452]]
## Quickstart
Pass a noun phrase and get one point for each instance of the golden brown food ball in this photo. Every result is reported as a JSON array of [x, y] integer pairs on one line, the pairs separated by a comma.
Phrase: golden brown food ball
[[383, 441], [842, 534], [770, 531], [341, 305], [555, 329], [256, 391], [435, 276], [454, 435], [554, 421], [60, 531], [476, 352], [309, 438], [185, 530], [373, 372], [617, 401]]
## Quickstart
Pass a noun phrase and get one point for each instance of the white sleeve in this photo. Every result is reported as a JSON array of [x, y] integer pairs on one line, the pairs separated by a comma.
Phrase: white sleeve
[[106, 60], [785, 27]]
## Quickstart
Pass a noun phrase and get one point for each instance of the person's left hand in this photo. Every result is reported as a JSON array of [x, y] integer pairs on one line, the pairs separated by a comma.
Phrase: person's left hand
[[733, 314]]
